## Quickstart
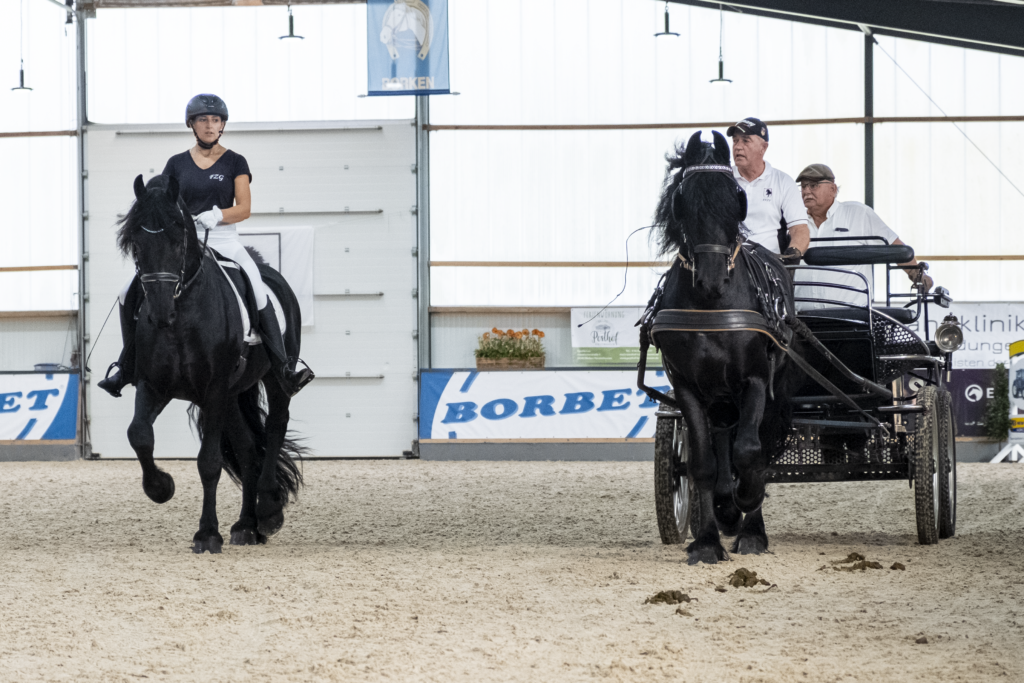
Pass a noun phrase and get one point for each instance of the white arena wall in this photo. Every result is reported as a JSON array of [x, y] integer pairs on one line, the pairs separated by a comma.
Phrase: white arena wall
[[353, 182]]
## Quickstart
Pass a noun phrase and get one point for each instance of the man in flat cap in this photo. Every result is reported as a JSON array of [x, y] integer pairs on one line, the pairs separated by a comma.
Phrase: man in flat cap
[[776, 217], [831, 218]]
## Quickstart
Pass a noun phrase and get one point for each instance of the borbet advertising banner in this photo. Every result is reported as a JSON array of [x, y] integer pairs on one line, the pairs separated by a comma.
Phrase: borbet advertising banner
[[548, 404], [38, 407], [407, 47]]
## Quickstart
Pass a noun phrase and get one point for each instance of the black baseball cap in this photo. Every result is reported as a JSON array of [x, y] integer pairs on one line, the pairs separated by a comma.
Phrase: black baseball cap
[[749, 126]]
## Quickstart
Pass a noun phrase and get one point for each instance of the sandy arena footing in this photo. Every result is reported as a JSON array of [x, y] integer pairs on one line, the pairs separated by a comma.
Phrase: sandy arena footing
[[497, 571]]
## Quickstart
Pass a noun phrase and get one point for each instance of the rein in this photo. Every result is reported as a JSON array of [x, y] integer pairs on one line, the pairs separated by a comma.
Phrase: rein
[[180, 284]]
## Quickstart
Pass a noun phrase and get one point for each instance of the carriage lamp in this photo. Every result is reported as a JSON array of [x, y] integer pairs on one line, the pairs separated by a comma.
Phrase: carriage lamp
[[948, 335], [667, 31]]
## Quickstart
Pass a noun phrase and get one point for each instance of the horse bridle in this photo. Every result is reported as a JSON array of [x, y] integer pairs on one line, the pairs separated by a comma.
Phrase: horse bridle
[[180, 284], [689, 263]]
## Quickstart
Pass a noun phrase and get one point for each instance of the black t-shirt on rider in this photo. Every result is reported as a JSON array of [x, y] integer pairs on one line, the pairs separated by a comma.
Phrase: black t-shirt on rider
[[202, 189]]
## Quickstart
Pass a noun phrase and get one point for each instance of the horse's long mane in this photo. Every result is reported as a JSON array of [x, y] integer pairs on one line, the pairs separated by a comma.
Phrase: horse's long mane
[[704, 209], [155, 207]]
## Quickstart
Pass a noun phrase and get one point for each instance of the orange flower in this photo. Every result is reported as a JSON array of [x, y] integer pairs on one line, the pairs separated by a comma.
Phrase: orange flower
[[538, 333], [526, 332], [518, 335], [511, 332], [487, 335], [495, 330]]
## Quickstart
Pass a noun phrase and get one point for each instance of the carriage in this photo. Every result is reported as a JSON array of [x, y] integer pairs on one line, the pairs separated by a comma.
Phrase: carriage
[[874, 404]]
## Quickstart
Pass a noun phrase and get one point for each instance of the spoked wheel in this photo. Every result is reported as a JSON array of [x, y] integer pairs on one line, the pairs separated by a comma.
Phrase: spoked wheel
[[672, 488], [927, 467], [947, 465]]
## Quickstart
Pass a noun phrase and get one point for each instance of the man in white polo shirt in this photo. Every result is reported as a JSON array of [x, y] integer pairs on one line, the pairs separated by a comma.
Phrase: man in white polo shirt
[[773, 200], [830, 218]]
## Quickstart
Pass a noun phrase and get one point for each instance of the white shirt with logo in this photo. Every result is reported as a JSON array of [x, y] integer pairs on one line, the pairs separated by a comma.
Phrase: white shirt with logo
[[843, 219], [771, 198]]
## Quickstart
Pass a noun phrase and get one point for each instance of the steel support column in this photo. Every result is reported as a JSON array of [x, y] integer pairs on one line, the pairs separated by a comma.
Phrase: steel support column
[[869, 112], [423, 229], [85, 444]]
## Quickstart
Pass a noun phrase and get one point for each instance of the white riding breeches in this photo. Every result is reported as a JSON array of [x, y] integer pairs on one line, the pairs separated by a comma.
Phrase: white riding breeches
[[225, 240]]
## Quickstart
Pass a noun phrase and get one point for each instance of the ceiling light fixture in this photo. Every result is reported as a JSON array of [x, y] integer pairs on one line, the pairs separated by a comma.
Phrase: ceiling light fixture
[[21, 37], [667, 31], [291, 26], [721, 64]]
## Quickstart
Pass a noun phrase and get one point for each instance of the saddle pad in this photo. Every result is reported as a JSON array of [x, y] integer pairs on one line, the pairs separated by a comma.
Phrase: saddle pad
[[250, 337], [250, 300]]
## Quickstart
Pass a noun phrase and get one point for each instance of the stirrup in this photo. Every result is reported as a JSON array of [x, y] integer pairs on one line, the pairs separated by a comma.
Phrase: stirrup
[[107, 384], [304, 376]]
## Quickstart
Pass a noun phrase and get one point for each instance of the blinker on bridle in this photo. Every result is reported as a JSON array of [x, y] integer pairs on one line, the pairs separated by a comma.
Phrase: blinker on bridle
[[689, 263], [180, 285]]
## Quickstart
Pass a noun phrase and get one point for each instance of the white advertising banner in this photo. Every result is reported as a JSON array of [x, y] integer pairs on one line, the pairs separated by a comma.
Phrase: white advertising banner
[[289, 251], [37, 406], [556, 404], [989, 329], [608, 336]]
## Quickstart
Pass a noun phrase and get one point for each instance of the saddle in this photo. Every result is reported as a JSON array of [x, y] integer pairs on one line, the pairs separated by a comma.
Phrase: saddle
[[242, 288]]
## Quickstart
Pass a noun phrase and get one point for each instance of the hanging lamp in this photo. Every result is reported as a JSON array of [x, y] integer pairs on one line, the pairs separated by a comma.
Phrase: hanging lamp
[[21, 37], [721, 64], [667, 31], [291, 26]]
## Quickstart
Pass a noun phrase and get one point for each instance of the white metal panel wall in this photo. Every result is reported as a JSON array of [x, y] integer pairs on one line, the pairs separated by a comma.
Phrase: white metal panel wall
[[304, 175]]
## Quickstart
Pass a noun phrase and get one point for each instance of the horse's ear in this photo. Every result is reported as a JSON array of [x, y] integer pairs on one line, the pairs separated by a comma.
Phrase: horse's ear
[[140, 187], [172, 189], [721, 148], [694, 150]]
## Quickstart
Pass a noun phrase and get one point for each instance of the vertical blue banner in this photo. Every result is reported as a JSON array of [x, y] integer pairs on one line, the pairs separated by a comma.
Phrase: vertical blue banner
[[407, 47]]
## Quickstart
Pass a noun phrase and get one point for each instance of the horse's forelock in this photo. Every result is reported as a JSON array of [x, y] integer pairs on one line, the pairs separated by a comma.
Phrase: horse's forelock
[[155, 207], [709, 198]]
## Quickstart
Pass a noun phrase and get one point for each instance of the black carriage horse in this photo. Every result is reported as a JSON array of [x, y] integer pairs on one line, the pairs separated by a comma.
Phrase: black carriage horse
[[715, 319], [190, 346]]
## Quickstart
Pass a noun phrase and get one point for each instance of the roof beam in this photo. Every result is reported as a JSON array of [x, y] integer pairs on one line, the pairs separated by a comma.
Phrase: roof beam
[[991, 27]]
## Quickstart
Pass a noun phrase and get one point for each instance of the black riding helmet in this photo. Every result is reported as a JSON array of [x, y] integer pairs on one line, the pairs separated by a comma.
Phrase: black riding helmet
[[205, 104]]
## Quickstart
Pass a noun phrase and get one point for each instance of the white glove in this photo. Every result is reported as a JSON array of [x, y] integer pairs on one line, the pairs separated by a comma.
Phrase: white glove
[[208, 220]]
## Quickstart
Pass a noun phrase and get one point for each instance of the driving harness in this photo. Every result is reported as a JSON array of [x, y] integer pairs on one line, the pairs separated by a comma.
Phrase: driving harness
[[775, 318]]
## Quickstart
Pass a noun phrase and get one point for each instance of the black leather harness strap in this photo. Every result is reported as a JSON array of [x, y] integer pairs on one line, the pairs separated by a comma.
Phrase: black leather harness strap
[[738, 320]]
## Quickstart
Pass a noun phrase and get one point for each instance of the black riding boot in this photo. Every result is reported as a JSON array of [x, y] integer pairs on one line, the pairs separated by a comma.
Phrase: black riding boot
[[125, 375], [291, 380]]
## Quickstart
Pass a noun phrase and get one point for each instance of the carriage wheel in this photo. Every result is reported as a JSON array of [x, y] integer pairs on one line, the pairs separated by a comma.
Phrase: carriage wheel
[[927, 467], [672, 487], [947, 466]]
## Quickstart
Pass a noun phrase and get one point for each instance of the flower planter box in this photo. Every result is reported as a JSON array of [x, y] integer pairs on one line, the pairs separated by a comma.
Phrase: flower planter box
[[510, 363]]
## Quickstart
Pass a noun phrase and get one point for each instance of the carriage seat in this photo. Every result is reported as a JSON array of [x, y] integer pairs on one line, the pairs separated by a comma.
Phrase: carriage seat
[[904, 316]]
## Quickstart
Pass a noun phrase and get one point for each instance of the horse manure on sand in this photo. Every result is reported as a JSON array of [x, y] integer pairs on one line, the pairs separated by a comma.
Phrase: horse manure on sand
[[857, 562], [668, 598], [745, 578]]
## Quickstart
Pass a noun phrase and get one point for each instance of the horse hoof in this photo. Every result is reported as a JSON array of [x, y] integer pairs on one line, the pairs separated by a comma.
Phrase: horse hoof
[[750, 545], [159, 487], [247, 537], [706, 554], [211, 545], [271, 525]]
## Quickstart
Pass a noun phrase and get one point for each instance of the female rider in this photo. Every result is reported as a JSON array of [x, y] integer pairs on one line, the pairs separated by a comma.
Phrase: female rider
[[214, 184]]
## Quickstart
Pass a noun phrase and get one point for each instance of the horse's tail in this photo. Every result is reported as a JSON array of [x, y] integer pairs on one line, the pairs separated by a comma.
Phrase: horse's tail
[[250, 403], [289, 476]]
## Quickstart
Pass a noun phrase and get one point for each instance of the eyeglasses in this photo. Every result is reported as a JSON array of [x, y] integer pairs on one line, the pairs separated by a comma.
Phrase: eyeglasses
[[814, 185]]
